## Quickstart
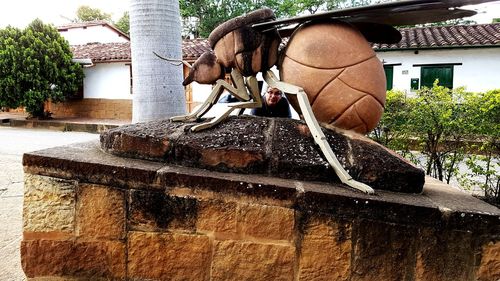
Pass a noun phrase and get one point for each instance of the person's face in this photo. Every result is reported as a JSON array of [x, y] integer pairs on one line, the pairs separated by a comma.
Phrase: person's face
[[273, 96]]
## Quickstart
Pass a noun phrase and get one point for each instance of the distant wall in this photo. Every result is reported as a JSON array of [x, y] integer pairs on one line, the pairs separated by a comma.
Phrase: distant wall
[[107, 81], [92, 34], [92, 108], [479, 70]]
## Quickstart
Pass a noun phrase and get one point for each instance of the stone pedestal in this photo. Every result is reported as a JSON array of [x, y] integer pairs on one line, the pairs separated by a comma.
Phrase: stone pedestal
[[89, 215]]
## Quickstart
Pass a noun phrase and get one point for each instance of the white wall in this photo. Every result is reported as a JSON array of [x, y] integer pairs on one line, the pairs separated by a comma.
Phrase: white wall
[[480, 69], [107, 81], [92, 34]]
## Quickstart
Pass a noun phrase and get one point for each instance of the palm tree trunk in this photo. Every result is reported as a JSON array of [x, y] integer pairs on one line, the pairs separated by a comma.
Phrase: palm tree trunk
[[157, 85]]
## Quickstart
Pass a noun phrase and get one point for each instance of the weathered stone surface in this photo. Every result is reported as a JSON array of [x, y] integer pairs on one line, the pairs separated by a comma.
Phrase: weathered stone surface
[[234, 260], [154, 256], [217, 216], [151, 140], [384, 252], [489, 269], [67, 278], [444, 255], [96, 259], [155, 210], [325, 251], [100, 212], [227, 183], [274, 147], [85, 162], [229, 147], [268, 222], [49, 204]]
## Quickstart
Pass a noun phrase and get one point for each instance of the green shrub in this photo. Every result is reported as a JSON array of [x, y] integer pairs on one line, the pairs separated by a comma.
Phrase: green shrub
[[442, 126], [35, 66]]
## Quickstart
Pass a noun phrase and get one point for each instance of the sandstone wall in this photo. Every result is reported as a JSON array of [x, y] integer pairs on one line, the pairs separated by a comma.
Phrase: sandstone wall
[[92, 108], [92, 216]]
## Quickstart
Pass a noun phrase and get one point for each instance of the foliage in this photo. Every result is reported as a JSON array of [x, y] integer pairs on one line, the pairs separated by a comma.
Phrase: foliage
[[11, 62], [484, 117], [448, 128], [460, 21], [86, 13], [495, 20], [200, 17], [35, 65], [391, 129], [123, 24]]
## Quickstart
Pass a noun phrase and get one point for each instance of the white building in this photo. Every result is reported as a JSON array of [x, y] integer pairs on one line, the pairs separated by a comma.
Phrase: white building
[[466, 55], [82, 33], [104, 52]]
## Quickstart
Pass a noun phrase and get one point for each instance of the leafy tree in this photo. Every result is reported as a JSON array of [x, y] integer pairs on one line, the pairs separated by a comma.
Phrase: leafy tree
[[437, 122], [495, 20], [11, 63], [460, 21], [123, 23], [86, 13], [483, 112], [36, 67], [392, 130], [200, 17], [447, 128]]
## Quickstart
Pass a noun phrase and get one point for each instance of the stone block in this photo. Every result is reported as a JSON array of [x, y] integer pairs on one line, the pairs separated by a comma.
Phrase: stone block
[[267, 222], [169, 256], [444, 255], [326, 251], [234, 260], [88, 260], [49, 204], [217, 216], [155, 210], [100, 212], [489, 269], [383, 252]]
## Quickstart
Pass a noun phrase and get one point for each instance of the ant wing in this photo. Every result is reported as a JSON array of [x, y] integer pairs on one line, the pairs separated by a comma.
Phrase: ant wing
[[412, 17], [373, 32], [412, 12], [378, 33]]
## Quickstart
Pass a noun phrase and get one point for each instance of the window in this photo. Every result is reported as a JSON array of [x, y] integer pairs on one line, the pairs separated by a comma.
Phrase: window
[[443, 72], [389, 75], [130, 74]]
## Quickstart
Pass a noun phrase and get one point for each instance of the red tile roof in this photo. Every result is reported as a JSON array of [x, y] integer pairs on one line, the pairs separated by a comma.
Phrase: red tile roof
[[91, 23], [460, 36], [102, 52], [110, 52], [453, 36], [194, 48]]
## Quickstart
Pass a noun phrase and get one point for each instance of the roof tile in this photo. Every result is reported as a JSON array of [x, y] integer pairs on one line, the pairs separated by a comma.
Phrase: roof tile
[[446, 37]]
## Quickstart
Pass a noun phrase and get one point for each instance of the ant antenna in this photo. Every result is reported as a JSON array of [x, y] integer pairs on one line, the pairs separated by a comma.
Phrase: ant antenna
[[175, 62]]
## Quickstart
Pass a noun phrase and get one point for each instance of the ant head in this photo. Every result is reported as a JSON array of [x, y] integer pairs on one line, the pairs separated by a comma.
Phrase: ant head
[[205, 70]]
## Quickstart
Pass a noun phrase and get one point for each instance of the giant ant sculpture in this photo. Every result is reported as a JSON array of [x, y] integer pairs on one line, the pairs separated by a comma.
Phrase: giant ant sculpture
[[328, 62]]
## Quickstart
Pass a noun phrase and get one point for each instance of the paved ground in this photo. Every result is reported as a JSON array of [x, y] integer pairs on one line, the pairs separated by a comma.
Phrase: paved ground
[[13, 143]]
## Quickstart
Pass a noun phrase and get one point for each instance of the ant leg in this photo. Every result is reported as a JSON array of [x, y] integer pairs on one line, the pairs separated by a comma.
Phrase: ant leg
[[254, 90], [316, 131], [207, 104], [238, 90]]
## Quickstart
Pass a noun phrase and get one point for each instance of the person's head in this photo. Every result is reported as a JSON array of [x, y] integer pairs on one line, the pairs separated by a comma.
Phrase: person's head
[[273, 96]]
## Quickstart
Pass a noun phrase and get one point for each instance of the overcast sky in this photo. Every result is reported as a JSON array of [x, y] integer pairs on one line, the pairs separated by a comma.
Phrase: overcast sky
[[19, 13]]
